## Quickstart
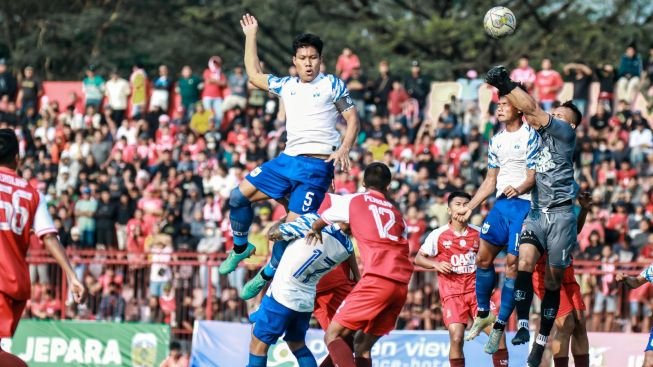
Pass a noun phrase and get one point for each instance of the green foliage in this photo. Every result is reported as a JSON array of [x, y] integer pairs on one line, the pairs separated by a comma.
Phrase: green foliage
[[60, 38]]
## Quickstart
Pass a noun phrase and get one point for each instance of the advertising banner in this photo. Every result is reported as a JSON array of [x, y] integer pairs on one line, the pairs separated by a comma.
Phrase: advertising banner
[[83, 343]]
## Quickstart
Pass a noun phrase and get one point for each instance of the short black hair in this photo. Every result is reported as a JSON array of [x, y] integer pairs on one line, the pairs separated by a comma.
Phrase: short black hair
[[458, 194], [175, 345], [307, 40], [577, 114], [377, 176], [8, 147]]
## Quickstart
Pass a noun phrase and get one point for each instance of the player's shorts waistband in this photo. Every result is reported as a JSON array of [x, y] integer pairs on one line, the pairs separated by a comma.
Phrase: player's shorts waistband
[[316, 156]]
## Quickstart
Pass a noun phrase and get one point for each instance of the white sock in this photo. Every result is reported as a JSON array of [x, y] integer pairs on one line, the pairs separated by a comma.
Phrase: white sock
[[541, 339], [522, 324]]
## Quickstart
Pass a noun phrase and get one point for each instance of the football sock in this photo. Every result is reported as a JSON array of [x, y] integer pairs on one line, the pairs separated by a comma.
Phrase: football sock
[[582, 360], [550, 305], [277, 252], [507, 300], [305, 357], [363, 362], [500, 358], [457, 362], [484, 287], [523, 295], [257, 361], [561, 362], [341, 353], [240, 215]]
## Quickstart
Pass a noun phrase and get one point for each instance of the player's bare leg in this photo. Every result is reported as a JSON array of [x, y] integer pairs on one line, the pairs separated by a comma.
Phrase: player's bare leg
[[340, 352], [564, 328], [580, 345], [648, 359], [456, 355], [258, 353], [528, 256], [485, 276], [363, 343]]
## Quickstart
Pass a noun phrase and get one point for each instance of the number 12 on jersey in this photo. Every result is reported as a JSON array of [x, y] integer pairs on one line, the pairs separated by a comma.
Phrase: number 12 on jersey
[[383, 228]]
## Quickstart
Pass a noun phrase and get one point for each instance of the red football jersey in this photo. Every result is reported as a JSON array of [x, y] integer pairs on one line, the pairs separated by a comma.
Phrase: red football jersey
[[379, 230], [459, 249], [342, 273], [21, 210]]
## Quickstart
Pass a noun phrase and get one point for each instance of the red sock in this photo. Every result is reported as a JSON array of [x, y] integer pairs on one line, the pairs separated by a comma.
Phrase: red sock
[[457, 362], [363, 362], [327, 362], [582, 360], [341, 353], [500, 358], [10, 360], [561, 362]]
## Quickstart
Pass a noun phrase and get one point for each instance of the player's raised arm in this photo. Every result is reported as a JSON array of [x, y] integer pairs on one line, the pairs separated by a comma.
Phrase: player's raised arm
[[252, 63], [535, 116], [486, 189]]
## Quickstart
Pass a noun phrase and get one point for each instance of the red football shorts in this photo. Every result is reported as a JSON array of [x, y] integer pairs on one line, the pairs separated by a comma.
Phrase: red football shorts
[[11, 311], [460, 308], [373, 305], [327, 303], [570, 297]]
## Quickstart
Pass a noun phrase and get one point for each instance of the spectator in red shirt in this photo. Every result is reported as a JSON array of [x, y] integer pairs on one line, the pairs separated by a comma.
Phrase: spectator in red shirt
[[215, 83], [347, 61], [416, 226], [397, 98], [48, 308], [548, 84]]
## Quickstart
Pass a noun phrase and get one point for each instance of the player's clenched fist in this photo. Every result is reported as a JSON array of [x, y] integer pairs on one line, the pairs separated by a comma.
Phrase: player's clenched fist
[[498, 77], [249, 24]]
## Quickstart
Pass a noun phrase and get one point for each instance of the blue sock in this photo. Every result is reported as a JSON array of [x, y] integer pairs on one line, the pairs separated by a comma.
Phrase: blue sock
[[484, 287], [305, 357], [507, 300], [278, 249], [257, 361], [240, 215]]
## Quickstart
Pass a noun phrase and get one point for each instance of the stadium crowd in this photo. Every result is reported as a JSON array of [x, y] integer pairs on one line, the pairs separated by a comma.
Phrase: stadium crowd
[[138, 179]]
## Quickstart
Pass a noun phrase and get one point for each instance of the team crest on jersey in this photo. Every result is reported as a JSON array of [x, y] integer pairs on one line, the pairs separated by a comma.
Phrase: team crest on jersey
[[486, 227], [446, 244], [520, 295], [255, 172], [544, 161], [463, 243], [516, 147]]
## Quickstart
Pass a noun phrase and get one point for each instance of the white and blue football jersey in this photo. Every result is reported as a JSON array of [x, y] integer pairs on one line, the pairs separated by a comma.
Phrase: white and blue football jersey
[[513, 153], [311, 113], [302, 265]]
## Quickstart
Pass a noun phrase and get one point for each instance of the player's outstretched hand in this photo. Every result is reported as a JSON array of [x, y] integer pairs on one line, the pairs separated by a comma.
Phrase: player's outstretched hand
[[585, 200], [510, 192], [313, 237], [340, 158], [78, 290], [621, 277], [498, 77], [462, 215], [249, 24], [442, 267]]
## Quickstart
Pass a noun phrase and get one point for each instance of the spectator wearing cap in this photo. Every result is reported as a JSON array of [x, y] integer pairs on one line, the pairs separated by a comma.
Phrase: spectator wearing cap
[[85, 209], [8, 84], [30, 90], [93, 88], [161, 90], [347, 62], [215, 82], [548, 83], [138, 84], [630, 70], [640, 140], [117, 90], [417, 85]]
